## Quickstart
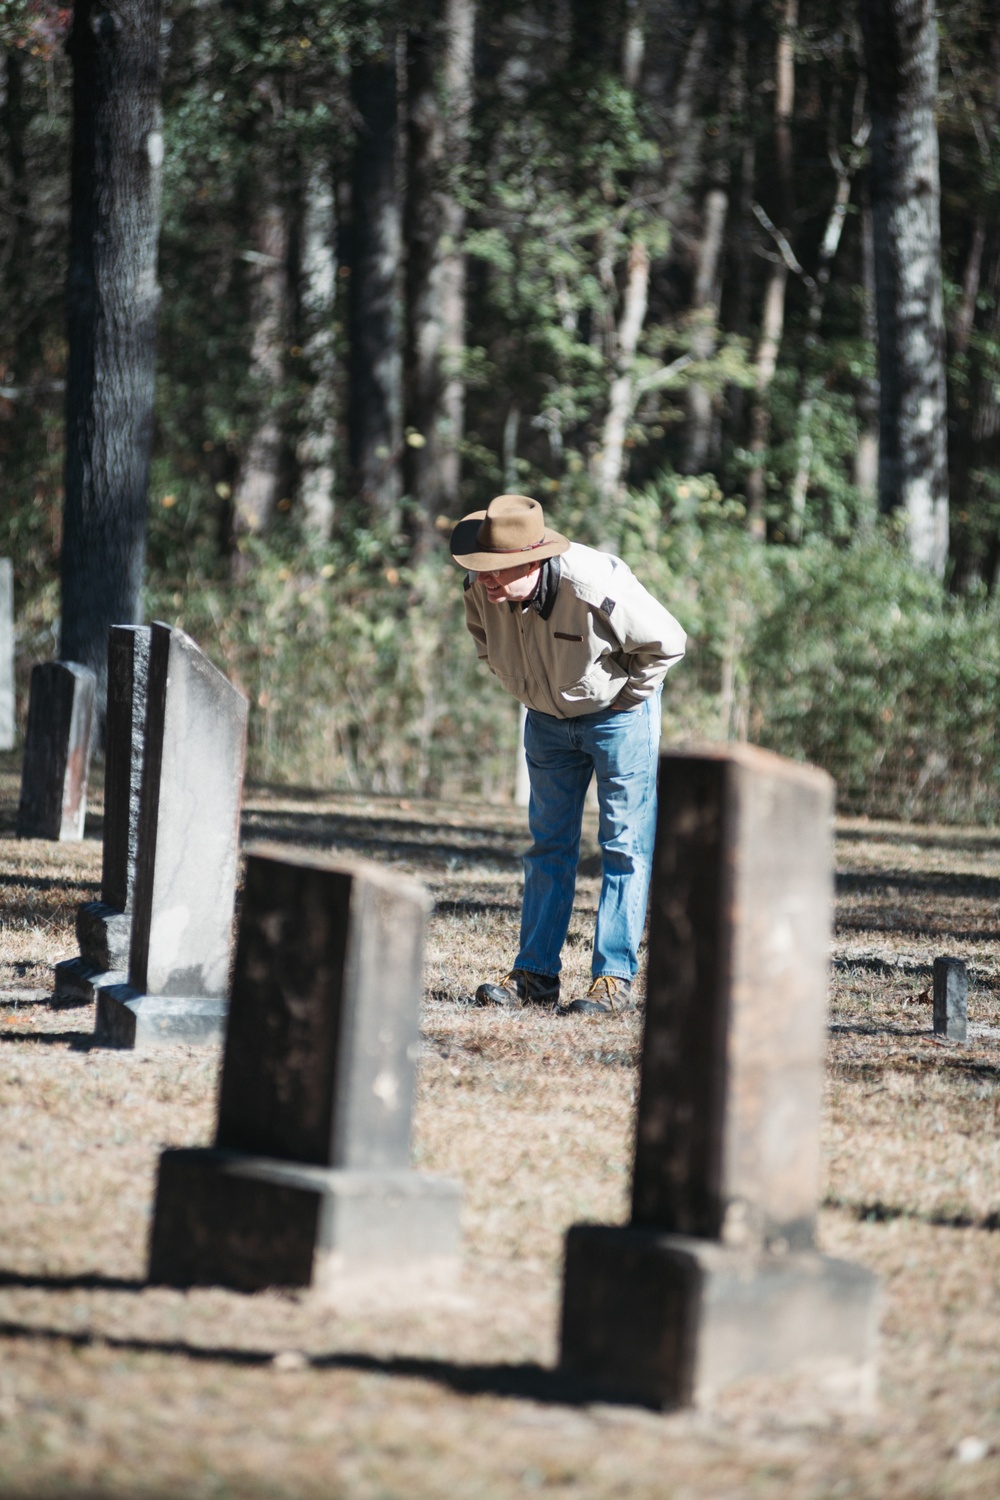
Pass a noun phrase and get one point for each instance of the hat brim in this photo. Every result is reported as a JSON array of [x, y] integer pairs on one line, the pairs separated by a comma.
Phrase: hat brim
[[467, 553]]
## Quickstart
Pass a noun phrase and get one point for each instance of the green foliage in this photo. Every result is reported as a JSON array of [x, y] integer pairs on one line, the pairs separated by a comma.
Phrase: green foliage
[[359, 673], [863, 665]]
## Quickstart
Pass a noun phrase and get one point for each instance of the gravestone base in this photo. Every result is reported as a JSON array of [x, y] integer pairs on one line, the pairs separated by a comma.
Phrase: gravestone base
[[126, 1018], [224, 1218], [104, 933], [666, 1320], [79, 982]]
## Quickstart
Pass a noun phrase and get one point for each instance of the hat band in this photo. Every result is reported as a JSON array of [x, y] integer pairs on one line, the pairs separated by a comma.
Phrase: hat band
[[527, 547]]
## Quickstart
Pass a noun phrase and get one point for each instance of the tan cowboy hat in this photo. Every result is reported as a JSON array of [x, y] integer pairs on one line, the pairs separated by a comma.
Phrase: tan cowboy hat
[[511, 530]]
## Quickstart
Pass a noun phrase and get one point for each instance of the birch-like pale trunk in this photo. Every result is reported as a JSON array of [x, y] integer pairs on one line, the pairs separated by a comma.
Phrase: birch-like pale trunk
[[610, 458], [316, 451], [866, 457], [608, 464], [901, 50], [255, 493]]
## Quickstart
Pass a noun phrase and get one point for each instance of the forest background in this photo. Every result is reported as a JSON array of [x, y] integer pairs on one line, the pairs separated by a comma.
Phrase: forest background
[[625, 257]]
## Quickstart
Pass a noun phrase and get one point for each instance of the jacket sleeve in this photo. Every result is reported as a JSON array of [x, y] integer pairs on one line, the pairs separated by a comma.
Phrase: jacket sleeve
[[474, 620], [651, 641]]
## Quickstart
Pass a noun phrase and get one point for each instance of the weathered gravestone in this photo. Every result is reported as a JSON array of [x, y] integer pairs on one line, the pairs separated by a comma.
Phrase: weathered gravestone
[[104, 927], [186, 853], [951, 992], [8, 722], [57, 752], [310, 1173], [716, 1278]]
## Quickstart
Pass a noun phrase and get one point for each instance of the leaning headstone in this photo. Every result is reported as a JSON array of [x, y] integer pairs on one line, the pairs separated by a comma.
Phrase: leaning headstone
[[716, 1278], [57, 752], [186, 853], [8, 722], [310, 1172], [103, 928], [951, 992]]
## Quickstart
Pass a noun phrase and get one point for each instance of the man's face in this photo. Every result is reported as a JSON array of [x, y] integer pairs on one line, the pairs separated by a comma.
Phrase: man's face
[[510, 584]]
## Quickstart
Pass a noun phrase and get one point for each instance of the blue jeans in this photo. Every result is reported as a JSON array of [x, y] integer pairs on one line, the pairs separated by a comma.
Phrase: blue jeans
[[562, 755]]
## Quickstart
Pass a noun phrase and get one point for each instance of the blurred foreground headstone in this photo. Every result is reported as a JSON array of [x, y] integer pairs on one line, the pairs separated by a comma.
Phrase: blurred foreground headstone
[[57, 752], [716, 1279], [310, 1173], [186, 853], [103, 928], [951, 991], [8, 720]]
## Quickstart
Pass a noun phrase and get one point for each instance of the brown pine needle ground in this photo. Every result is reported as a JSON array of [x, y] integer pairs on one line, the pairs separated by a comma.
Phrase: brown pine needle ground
[[112, 1388]]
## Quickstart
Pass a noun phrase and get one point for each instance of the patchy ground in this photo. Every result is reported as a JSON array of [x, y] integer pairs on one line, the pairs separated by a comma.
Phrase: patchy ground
[[111, 1388]]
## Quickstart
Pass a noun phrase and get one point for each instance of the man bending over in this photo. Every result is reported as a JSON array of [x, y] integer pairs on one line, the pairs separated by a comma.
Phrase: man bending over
[[574, 636]]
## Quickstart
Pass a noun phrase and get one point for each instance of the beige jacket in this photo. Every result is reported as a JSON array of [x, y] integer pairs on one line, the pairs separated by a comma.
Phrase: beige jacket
[[593, 637]]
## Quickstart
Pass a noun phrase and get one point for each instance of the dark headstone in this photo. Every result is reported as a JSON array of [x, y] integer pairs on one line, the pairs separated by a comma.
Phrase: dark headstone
[[57, 752], [187, 845], [310, 1169], [716, 1278], [104, 927], [951, 992], [8, 720]]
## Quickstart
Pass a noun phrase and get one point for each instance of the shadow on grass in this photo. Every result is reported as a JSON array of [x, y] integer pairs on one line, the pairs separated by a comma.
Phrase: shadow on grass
[[878, 1212], [933, 1060], [79, 1041], [393, 838], [905, 839], [49, 883], [526, 1382], [872, 1028], [910, 883]]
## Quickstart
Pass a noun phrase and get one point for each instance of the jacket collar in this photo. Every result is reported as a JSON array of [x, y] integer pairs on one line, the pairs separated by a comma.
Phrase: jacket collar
[[543, 600]]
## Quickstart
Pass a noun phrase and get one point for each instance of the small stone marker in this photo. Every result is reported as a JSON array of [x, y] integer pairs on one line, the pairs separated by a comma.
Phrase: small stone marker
[[310, 1173], [186, 853], [57, 752], [103, 928], [8, 720], [716, 1279], [951, 992]]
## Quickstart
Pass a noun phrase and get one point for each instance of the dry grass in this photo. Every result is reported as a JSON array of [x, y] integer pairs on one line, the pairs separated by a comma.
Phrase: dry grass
[[112, 1388]]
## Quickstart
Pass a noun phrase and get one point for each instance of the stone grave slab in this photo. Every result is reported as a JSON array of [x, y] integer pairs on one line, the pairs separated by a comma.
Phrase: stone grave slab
[[716, 1278], [310, 1175], [186, 853], [104, 928], [53, 801], [8, 717], [950, 993]]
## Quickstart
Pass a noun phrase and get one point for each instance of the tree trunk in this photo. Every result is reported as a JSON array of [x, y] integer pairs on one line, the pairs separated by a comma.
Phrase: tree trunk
[[610, 457], [255, 493], [460, 25], [866, 457], [112, 305], [438, 103], [901, 55], [21, 332], [705, 304], [375, 407], [844, 164], [974, 530], [316, 450], [773, 318]]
